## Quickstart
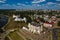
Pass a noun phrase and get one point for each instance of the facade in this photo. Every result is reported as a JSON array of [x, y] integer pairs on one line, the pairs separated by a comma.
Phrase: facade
[[35, 28]]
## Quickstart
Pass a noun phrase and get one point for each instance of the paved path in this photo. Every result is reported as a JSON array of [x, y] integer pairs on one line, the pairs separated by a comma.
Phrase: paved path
[[4, 34]]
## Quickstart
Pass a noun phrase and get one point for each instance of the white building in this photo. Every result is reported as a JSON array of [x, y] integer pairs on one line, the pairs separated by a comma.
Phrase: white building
[[17, 18], [35, 28]]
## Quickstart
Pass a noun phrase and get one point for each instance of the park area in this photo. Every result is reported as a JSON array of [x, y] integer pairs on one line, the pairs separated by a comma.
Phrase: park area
[[14, 24], [15, 36]]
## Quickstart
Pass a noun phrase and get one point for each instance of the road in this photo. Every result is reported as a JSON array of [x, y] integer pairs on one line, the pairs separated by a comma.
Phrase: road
[[54, 33], [4, 34]]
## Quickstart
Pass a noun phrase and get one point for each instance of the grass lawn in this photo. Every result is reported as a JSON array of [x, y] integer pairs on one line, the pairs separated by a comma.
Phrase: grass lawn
[[15, 36]]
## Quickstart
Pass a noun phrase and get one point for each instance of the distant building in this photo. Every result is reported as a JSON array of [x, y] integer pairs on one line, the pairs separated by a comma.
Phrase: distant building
[[36, 16], [48, 24], [53, 18], [46, 17]]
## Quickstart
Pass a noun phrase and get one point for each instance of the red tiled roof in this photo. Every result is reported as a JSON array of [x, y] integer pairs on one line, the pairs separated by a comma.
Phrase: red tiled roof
[[49, 22]]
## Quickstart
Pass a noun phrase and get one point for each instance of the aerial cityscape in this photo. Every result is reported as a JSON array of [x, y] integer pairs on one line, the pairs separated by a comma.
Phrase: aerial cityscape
[[29, 19]]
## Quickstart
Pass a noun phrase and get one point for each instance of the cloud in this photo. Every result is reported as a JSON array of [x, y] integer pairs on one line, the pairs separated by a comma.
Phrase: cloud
[[57, 0], [58, 4], [38, 1], [20, 4], [27, 2], [51, 3], [2, 1], [51, 6]]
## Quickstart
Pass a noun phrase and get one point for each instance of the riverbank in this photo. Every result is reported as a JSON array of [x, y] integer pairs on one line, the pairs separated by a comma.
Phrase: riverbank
[[3, 20], [7, 23]]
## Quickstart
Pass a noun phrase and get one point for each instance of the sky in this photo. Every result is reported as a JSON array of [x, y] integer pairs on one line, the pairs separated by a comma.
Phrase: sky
[[30, 4]]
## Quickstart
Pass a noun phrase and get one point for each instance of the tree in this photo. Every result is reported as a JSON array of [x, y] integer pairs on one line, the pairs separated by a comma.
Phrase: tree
[[58, 23], [29, 20], [58, 16]]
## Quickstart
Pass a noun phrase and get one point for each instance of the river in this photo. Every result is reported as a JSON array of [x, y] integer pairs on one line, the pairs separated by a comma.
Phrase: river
[[3, 20]]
